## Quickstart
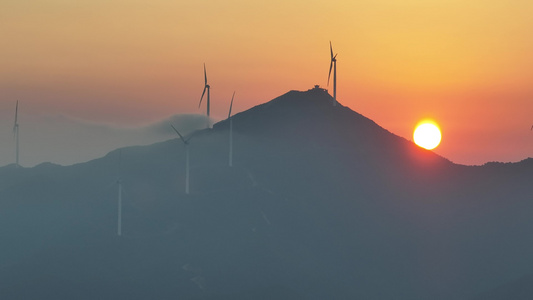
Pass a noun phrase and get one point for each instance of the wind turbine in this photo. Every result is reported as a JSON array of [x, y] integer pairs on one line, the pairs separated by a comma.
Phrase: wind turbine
[[334, 65], [231, 132], [186, 143], [206, 87], [16, 134]]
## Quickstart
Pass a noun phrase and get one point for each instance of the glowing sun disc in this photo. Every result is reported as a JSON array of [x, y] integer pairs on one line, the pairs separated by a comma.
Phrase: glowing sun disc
[[427, 135]]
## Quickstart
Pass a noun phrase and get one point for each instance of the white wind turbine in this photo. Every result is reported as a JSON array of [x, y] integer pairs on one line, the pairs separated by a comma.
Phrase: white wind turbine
[[334, 65], [16, 134], [186, 143], [231, 132], [206, 87]]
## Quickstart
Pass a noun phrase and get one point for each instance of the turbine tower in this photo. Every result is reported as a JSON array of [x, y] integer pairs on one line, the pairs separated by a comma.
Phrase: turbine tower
[[186, 143], [16, 135], [119, 200], [119, 215], [231, 132], [334, 65], [206, 87]]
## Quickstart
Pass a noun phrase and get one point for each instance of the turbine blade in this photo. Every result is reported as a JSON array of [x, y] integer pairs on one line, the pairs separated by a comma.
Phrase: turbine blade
[[331, 49], [15, 125], [203, 93], [16, 111], [205, 75], [231, 104], [181, 137], [330, 66]]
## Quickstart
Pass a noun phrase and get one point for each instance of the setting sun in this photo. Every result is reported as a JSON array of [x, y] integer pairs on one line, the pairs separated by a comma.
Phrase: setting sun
[[427, 135]]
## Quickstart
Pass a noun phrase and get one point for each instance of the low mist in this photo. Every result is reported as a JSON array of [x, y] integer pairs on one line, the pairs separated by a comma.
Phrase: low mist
[[65, 141]]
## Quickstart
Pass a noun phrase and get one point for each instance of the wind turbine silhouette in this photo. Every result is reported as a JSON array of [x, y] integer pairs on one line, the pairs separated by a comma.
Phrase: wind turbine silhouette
[[206, 87], [16, 134], [333, 64], [186, 143], [231, 132]]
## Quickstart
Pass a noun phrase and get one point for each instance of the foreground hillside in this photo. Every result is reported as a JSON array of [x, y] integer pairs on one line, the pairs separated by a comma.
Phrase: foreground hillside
[[321, 203]]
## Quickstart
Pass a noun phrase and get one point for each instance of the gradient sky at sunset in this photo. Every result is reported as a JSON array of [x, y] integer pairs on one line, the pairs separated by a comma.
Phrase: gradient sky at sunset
[[466, 64]]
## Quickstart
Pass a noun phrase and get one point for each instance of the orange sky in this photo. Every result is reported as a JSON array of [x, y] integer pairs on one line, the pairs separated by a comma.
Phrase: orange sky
[[466, 64]]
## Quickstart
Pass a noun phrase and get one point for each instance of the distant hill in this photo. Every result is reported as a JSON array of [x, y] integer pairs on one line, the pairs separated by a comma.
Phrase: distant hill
[[322, 203]]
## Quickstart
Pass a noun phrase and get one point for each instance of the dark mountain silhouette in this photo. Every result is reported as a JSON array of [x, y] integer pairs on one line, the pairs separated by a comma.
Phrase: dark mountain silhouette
[[322, 203]]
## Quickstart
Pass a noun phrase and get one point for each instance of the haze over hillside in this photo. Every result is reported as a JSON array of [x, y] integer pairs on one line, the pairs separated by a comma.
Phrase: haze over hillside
[[65, 141], [321, 203]]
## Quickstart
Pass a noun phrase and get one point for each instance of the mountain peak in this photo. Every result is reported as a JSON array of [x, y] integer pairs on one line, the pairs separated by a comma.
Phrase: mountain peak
[[306, 116], [309, 119], [305, 113], [316, 96]]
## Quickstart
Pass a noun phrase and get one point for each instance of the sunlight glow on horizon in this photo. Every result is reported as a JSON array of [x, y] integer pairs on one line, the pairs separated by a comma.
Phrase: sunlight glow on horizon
[[119, 61]]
